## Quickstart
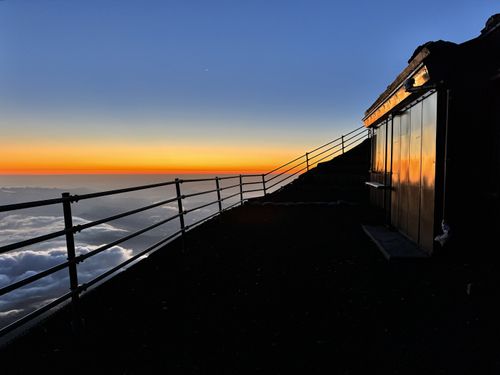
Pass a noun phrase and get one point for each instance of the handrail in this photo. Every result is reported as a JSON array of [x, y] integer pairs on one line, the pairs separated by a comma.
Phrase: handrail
[[76, 198], [79, 228], [294, 166]]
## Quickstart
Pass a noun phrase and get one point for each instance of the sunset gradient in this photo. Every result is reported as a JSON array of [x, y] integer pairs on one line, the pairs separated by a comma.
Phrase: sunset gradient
[[155, 157], [102, 86]]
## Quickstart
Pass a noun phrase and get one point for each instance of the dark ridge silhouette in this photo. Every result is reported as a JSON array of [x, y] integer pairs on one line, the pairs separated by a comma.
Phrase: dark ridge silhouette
[[341, 178], [279, 286]]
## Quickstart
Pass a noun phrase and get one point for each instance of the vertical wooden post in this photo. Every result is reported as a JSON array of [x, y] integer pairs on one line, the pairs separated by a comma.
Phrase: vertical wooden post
[[342, 144], [264, 183], [307, 160]]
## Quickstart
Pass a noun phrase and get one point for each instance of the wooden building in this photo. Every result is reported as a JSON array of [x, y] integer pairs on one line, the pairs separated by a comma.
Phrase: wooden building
[[436, 137]]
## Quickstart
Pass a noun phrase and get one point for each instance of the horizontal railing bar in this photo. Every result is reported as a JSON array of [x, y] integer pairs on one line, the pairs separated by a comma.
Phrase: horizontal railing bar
[[361, 137], [33, 278], [251, 175], [202, 220], [286, 178], [187, 180], [284, 165], [337, 151], [363, 133], [231, 206], [200, 207], [88, 284], [314, 150], [78, 228], [18, 323], [31, 241], [229, 177], [230, 196], [109, 272], [252, 190], [327, 156], [82, 257], [76, 198], [356, 139], [252, 183], [200, 193], [337, 145], [288, 170], [339, 138], [229, 187], [324, 151], [19, 206]]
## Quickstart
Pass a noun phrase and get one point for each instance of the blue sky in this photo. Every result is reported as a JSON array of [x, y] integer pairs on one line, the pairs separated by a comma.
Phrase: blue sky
[[287, 74]]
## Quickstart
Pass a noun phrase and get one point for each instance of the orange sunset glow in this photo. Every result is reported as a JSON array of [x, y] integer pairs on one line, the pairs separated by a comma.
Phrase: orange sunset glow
[[116, 158]]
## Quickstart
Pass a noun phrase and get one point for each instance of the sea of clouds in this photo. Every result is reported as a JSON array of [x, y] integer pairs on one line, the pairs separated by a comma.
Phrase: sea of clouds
[[23, 224]]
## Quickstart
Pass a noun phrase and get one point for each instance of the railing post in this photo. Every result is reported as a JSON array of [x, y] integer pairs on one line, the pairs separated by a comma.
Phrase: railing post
[[218, 193], [241, 190], [342, 144], [73, 272], [181, 210], [307, 160], [264, 183]]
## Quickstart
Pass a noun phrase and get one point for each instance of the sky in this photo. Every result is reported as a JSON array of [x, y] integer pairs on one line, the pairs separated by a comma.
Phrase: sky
[[105, 86]]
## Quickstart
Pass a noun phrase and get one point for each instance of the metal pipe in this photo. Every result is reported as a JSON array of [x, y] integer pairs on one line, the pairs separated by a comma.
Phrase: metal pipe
[[324, 151], [69, 230], [284, 165], [199, 207], [202, 220], [335, 140], [230, 196], [199, 193], [252, 190], [19, 206], [179, 204], [75, 198], [90, 254], [128, 261], [286, 178], [33, 278], [79, 228], [25, 319], [31, 241], [228, 177], [72, 267], [251, 183], [288, 170], [229, 187], [218, 193], [241, 189]]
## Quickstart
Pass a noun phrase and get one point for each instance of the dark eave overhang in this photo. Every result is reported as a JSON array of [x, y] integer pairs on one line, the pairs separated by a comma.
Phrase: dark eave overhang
[[466, 66], [396, 92]]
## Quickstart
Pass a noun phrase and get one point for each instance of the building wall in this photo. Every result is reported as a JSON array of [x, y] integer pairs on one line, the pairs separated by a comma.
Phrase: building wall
[[404, 158], [379, 164]]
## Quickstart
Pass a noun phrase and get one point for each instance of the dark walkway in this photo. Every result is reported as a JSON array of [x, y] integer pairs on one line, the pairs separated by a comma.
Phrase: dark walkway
[[278, 289]]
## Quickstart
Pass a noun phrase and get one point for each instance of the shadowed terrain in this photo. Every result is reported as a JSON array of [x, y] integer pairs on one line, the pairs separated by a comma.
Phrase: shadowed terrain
[[276, 286]]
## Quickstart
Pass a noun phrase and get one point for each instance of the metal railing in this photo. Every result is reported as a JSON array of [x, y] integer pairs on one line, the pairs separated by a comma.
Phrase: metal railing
[[265, 184], [301, 164]]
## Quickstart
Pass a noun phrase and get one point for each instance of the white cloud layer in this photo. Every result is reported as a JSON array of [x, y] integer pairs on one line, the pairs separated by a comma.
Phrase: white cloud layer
[[17, 265]]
